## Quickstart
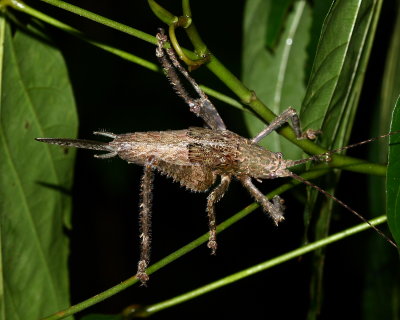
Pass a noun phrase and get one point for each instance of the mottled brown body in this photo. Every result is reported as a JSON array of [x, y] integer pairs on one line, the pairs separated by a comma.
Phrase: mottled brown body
[[197, 155], [194, 157]]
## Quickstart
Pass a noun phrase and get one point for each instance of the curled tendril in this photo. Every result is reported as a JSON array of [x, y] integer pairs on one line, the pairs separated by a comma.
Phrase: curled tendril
[[174, 22]]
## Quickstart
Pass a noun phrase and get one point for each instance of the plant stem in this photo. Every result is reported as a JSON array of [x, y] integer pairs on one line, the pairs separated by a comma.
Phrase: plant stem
[[149, 310], [219, 283], [102, 20]]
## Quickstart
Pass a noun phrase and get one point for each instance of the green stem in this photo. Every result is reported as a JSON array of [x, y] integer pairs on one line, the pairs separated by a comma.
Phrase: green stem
[[193, 64], [149, 310], [224, 98], [161, 13], [102, 20], [214, 285], [191, 31], [186, 8]]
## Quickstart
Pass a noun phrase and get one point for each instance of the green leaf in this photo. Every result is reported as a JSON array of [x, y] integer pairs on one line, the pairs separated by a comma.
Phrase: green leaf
[[339, 69], [390, 81], [382, 294], [36, 101], [331, 101], [393, 176], [384, 260], [276, 18], [277, 76]]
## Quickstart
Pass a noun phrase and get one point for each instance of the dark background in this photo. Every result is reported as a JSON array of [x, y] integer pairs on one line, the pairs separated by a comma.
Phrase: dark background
[[119, 96]]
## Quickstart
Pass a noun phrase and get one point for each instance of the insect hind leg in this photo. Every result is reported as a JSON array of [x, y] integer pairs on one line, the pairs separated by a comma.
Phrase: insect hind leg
[[145, 221], [212, 199]]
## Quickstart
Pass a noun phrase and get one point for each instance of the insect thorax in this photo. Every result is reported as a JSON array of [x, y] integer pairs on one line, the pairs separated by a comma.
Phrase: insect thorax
[[258, 162]]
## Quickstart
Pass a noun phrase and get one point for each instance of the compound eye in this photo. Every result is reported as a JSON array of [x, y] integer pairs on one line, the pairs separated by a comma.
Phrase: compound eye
[[279, 155]]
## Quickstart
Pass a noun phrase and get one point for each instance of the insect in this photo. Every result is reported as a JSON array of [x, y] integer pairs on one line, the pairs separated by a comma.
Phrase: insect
[[196, 157]]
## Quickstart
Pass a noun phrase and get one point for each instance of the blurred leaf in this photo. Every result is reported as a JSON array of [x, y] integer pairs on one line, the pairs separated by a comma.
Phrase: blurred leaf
[[384, 261], [381, 295], [36, 101], [102, 317], [390, 80], [276, 18], [276, 76], [393, 176]]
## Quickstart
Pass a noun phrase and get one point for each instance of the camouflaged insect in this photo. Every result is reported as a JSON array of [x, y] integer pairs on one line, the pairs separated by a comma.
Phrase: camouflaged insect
[[197, 157]]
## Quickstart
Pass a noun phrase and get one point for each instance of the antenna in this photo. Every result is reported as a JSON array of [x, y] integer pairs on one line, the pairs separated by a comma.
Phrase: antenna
[[319, 157], [299, 178]]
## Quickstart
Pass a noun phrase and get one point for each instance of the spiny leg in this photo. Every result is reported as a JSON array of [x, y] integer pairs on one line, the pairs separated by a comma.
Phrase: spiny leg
[[162, 40], [285, 116], [106, 134], [145, 221], [212, 199], [202, 106], [274, 209]]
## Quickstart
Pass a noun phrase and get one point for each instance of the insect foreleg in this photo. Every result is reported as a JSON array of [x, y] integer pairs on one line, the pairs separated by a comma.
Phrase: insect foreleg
[[213, 198], [202, 106], [285, 116], [145, 221], [275, 208]]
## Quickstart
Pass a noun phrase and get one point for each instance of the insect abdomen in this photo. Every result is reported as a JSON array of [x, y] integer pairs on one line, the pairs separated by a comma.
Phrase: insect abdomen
[[138, 147]]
